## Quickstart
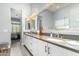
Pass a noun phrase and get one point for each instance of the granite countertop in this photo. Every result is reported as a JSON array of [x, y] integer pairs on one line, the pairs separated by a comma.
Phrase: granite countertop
[[72, 45]]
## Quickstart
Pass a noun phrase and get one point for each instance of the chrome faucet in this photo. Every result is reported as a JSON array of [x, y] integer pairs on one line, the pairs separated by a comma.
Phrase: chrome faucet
[[58, 36]]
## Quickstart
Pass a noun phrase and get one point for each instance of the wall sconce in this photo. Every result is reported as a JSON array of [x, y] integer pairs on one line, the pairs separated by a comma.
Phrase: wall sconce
[[30, 18]]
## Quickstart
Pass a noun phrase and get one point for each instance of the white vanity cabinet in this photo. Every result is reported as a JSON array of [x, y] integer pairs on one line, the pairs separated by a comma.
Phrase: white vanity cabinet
[[27, 43], [41, 48], [54, 50], [38, 47]]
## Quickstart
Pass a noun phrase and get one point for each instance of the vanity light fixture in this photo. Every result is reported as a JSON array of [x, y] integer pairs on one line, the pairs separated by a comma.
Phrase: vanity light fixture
[[30, 18]]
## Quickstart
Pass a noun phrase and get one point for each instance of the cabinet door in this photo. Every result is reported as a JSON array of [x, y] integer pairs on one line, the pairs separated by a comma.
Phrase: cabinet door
[[24, 39], [54, 50], [39, 47], [27, 42]]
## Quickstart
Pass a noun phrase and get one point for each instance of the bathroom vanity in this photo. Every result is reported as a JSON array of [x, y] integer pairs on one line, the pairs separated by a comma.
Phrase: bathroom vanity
[[41, 45]]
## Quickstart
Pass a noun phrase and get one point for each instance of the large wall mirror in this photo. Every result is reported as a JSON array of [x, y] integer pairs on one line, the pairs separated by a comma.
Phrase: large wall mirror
[[67, 23], [74, 23], [62, 23], [30, 25], [34, 24]]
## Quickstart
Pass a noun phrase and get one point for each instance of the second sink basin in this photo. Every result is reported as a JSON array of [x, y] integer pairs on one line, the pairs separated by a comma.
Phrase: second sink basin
[[72, 42]]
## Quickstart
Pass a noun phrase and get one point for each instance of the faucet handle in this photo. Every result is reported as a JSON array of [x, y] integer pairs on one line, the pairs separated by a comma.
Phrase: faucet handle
[[61, 37], [57, 35]]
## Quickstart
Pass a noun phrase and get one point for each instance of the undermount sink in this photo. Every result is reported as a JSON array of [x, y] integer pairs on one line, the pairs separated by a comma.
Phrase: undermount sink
[[71, 42], [55, 39]]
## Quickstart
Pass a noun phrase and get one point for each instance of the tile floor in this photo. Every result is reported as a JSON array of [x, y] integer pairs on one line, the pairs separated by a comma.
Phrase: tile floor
[[17, 49]]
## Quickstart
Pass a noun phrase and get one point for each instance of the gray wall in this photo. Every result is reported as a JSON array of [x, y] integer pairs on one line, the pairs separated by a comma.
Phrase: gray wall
[[5, 19]]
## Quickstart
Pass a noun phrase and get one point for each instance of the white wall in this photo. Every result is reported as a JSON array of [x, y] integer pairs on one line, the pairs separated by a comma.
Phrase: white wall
[[5, 19]]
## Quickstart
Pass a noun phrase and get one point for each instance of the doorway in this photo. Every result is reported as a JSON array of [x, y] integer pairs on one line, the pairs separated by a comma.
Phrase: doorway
[[16, 17]]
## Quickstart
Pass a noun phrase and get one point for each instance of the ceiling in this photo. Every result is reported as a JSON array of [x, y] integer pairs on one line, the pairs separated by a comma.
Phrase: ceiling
[[53, 8], [58, 6]]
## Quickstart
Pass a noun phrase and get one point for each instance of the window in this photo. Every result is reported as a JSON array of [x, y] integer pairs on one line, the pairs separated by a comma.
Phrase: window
[[15, 28]]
